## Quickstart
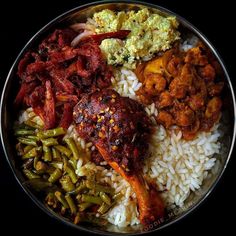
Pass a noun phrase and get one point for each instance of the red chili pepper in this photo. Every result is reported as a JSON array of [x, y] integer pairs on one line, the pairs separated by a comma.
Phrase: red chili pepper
[[136, 152], [120, 34], [49, 107], [38, 110], [67, 116], [63, 97], [24, 91]]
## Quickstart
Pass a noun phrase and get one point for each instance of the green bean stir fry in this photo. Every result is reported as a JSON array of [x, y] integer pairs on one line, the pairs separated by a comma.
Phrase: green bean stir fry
[[49, 163]]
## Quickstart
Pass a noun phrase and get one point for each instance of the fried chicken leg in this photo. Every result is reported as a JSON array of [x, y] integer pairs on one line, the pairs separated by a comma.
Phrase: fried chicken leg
[[120, 128]]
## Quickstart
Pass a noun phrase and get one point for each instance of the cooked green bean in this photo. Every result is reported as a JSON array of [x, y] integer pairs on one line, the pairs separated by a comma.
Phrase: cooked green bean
[[77, 219], [36, 159], [53, 162], [41, 167], [28, 163], [69, 167], [33, 137], [28, 148], [47, 154], [39, 184], [79, 188], [99, 187], [73, 162], [91, 199], [67, 184], [31, 153], [84, 205], [51, 169], [117, 196], [24, 132], [33, 124], [71, 173], [105, 198], [51, 200], [60, 197], [57, 164], [65, 161], [78, 198], [103, 208], [51, 133], [37, 120], [22, 126], [63, 210], [56, 154], [71, 204], [56, 174], [30, 175], [49, 142], [63, 150], [72, 145], [90, 184], [20, 149], [27, 141]]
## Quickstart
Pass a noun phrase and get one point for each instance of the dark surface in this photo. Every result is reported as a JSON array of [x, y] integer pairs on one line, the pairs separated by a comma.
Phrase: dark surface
[[19, 21]]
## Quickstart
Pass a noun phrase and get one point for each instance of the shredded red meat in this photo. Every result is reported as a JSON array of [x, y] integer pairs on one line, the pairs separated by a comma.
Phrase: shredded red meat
[[55, 76]]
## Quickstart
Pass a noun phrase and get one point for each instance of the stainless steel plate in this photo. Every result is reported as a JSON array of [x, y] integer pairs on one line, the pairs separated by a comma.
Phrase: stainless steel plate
[[8, 115]]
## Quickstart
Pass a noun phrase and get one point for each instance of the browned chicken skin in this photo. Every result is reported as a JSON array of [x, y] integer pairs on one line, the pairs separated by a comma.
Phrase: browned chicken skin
[[120, 128]]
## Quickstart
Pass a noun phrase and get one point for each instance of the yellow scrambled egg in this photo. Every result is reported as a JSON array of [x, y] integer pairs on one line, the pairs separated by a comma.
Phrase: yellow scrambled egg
[[150, 33]]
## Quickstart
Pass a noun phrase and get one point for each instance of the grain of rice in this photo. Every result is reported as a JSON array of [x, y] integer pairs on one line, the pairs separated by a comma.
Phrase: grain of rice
[[168, 184], [163, 164], [79, 163], [131, 91], [171, 169]]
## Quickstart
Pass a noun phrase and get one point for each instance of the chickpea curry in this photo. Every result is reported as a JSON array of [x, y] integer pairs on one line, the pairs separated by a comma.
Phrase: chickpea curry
[[185, 87]]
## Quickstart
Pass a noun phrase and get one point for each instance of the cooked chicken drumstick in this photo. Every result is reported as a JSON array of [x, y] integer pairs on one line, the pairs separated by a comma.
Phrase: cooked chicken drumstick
[[119, 128]]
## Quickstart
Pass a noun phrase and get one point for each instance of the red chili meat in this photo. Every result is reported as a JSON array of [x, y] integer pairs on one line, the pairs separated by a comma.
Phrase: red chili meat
[[57, 73]]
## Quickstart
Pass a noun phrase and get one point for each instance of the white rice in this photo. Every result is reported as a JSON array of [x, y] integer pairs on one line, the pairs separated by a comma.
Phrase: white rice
[[189, 43], [125, 82], [25, 115], [179, 166], [29, 114]]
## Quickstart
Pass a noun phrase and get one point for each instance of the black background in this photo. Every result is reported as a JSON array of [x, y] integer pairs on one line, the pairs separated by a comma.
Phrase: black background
[[19, 21]]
